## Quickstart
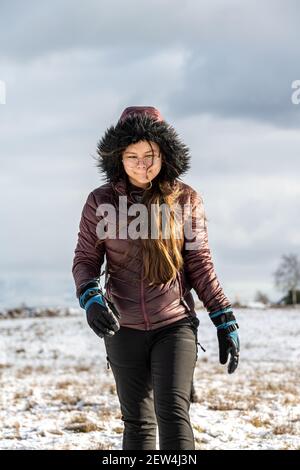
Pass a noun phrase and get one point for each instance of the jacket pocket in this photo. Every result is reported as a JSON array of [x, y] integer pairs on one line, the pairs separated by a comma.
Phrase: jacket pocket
[[181, 292]]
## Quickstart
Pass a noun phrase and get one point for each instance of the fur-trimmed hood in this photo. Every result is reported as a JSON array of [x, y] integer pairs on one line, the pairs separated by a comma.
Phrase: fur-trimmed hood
[[142, 126]]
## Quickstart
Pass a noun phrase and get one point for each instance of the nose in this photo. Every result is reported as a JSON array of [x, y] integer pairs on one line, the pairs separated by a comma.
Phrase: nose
[[143, 162]]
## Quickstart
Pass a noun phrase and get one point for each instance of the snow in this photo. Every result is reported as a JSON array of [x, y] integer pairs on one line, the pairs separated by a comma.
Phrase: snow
[[57, 393], [256, 305]]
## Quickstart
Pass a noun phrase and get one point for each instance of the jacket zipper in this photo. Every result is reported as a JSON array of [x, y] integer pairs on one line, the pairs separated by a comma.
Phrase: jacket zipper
[[141, 285], [107, 287], [143, 302]]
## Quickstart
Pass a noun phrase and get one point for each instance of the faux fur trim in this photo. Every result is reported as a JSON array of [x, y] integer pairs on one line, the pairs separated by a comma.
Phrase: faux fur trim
[[142, 127]]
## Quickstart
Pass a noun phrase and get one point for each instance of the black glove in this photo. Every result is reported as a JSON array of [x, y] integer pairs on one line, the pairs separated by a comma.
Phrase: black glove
[[101, 314], [228, 338]]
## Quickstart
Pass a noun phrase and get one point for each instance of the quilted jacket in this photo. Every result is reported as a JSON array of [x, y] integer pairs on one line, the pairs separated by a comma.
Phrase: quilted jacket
[[143, 306]]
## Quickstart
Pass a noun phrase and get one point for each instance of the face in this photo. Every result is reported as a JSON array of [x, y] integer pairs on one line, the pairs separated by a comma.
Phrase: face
[[138, 162]]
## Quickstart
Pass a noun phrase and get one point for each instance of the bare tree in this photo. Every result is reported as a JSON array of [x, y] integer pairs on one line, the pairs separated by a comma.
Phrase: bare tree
[[287, 275], [261, 297]]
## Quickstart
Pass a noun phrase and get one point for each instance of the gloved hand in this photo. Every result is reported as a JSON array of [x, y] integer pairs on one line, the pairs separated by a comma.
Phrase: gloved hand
[[101, 314], [228, 338]]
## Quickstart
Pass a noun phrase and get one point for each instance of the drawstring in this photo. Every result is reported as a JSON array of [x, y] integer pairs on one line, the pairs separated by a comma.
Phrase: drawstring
[[201, 346], [107, 362]]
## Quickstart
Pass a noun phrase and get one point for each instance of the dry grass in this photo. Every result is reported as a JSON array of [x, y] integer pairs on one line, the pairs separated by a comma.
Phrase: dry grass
[[259, 423], [22, 394], [118, 429], [82, 368], [284, 429], [105, 413], [291, 400], [82, 427], [101, 446], [278, 387], [65, 384], [231, 405], [66, 398], [198, 428], [29, 370], [80, 423]]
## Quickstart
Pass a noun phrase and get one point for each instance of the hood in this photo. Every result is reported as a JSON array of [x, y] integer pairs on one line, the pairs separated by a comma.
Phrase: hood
[[138, 126]]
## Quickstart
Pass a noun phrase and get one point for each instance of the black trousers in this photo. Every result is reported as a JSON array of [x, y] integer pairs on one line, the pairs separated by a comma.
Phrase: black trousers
[[153, 371]]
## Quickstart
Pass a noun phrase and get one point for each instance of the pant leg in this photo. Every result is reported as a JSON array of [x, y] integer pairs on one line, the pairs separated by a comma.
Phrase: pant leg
[[127, 355], [173, 359]]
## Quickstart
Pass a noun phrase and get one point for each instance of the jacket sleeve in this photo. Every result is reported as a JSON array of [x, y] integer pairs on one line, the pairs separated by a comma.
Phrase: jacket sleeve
[[198, 264], [88, 257]]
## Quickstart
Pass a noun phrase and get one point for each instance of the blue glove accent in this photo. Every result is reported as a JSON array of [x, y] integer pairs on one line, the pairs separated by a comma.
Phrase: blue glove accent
[[219, 312], [85, 295], [88, 295], [95, 299], [225, 325], [235, 338]]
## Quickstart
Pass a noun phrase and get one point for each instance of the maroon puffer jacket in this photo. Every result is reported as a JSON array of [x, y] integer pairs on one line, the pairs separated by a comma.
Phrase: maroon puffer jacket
[[144, 307]]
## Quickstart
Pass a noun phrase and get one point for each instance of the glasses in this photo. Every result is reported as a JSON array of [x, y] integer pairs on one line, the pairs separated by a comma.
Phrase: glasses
[[132, 161]]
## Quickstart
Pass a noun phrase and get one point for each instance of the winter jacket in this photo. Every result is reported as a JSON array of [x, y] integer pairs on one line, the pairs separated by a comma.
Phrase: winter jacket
[[142, 306]]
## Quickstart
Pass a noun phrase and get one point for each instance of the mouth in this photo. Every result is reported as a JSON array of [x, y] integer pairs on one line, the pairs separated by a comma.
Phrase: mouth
[[141, 174]]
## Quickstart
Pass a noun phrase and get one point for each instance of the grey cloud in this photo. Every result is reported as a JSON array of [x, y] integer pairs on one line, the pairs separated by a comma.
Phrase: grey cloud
[[240, 59], [239, 81]]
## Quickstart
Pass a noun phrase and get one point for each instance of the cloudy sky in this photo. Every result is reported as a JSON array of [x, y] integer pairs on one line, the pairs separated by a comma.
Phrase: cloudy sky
[[220, 71]]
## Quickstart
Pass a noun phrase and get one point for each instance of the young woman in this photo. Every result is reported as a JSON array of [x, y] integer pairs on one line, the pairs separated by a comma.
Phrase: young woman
[[147, 314]]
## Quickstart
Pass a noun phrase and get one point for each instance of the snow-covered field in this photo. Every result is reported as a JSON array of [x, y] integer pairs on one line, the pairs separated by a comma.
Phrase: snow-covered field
[[56, 392]]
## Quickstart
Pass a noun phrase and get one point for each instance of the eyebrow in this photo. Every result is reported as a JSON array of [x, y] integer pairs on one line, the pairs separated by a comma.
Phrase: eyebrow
[[133, 153]]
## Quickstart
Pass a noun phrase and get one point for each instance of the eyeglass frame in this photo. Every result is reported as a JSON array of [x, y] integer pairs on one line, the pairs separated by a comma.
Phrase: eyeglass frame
[[155, 159]]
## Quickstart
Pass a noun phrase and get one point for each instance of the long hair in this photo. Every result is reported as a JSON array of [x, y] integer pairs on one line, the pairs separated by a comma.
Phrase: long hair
[[162, 256]]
